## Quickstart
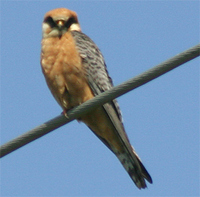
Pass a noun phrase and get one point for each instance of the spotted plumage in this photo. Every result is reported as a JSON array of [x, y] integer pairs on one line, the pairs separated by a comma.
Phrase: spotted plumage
[[75, 72]]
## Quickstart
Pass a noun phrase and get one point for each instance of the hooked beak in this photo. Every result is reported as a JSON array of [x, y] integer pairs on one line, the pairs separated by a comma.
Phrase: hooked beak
[[60, 23]]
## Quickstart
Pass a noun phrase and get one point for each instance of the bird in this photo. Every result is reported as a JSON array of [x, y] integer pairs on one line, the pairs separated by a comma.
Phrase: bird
[[75, 71]]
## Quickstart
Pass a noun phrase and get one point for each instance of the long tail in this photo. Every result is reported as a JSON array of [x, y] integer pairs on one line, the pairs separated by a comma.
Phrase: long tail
[[134, 167], [106, 125]]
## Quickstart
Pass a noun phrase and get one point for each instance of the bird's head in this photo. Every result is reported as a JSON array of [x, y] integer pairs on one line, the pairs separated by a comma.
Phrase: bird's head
[[59, 21]]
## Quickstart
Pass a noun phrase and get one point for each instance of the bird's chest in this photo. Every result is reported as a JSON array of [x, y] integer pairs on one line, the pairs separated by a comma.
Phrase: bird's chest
[[62, 68]]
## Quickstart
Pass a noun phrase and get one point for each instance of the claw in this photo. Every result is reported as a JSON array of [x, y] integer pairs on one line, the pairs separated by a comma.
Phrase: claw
[[65, 113]]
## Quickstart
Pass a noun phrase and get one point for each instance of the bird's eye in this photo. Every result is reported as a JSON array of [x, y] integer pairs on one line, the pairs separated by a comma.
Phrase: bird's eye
[[71, 21], [50, 21]]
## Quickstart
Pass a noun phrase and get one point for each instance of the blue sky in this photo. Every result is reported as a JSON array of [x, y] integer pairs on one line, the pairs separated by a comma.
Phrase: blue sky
[[161, 117]]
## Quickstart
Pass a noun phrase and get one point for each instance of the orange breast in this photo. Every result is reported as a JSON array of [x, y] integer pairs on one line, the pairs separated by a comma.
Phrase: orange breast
[[63, 70]]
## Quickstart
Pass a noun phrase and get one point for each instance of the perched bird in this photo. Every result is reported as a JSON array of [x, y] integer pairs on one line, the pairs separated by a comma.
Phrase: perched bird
[[75, 71]]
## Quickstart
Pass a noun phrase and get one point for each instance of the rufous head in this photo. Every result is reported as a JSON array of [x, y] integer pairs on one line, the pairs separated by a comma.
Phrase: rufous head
[[59, 21]]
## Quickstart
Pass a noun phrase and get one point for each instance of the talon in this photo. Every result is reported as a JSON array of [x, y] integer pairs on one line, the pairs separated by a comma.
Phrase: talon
[[65, 113]]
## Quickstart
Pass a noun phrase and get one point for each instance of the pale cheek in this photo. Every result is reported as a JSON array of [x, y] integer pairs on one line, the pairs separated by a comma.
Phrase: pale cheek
[[45, 28], [47, 31], [75, 27]]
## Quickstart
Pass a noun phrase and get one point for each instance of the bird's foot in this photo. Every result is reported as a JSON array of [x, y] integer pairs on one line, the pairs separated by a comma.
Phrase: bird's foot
[[65, 113]]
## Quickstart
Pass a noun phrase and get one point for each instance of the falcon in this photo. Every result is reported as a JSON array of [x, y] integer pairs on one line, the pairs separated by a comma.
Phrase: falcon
[[75, 71]]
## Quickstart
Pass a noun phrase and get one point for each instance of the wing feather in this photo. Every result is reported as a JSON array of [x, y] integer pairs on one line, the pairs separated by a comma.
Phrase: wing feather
[[99, 81]]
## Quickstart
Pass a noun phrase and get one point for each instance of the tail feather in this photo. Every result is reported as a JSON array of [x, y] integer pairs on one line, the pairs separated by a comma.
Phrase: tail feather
[[135, 168]]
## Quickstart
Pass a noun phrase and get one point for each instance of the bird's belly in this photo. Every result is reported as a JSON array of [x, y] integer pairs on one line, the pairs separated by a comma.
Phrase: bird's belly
[[64, 72]]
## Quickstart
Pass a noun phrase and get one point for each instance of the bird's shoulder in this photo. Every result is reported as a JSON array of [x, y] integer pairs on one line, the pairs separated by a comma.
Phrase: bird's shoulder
[[93, 61], [95, 67]]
